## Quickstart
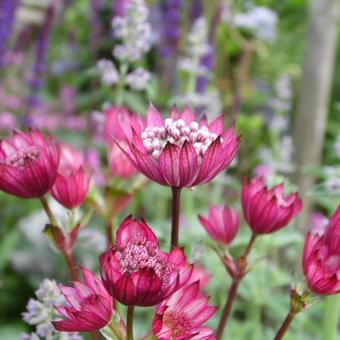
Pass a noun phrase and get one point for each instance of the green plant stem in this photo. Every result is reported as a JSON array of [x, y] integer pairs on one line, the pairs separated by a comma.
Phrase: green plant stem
[[176, 201], [285, 325], [233, 289], [48, 211], [129, 322], [331, 317], [68, 255], [227, 308]]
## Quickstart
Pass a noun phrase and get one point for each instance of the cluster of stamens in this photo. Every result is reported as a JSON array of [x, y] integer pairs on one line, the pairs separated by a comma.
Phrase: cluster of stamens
[[179, 323], [177, 132], [21, 157], [141, 254]]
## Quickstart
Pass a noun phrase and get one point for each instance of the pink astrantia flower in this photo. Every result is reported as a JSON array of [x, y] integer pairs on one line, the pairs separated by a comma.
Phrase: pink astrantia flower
[[28, 164], [72, 182], [180, 152], [200, 274], [183, 314], [321, 258], [222, 224], [117, 125], [89, 305], [137, 272], [268, 210]]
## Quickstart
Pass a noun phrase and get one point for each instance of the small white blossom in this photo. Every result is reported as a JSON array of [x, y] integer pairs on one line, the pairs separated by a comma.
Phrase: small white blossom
[[134, 30], [261, 20], [108, 71], [138, 79]]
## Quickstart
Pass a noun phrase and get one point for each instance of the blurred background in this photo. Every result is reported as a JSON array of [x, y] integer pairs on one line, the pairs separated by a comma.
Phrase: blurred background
[[273, 67]]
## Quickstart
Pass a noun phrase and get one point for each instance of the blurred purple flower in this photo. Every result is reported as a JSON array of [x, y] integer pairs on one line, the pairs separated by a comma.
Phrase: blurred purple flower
[[7, 121], [36, 81], [7, 17], [196, 10], [264, 171], [75, 123], [171, 35], [94, 163], [119, 7]]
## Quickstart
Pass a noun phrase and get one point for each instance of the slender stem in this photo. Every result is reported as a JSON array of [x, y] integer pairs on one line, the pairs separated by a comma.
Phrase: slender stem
[[283, 329], [48, 211], [227, 308], [176, 199], [71, 263], [233, 289], [249, 245], [72, 266], [129, 322]]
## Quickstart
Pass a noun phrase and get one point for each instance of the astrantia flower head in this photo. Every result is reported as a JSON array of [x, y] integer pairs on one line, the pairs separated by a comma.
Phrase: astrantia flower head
[[28, 164], [183, 314], [321, 258], [179, 151], [90, 305], [268, 210], [136, 272], [222, 223], [116, 125], [72, 182]]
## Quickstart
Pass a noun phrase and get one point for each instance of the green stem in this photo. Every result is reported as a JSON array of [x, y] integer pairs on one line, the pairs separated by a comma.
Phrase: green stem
[[285, 325], [176, 201], [227, 309], [192, 79], [68, 255], [121, 84], [129, 322], [49, 212], [331, 317], [233, 289]]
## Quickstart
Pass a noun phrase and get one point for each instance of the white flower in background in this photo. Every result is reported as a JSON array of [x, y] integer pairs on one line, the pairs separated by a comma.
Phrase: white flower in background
[[134, 30], [284, 93], [332, 183], [108, 71], [198, 48], [261, 20], [138, 79], [40, 312], [186, 64]]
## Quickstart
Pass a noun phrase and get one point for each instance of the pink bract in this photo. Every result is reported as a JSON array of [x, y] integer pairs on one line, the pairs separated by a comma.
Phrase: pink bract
[[321, 258], [178, 151], [72, 182], [268, 210], [222, 224], [117, 125], [89, 305], [183, 315], [136, 272], [28, 164]]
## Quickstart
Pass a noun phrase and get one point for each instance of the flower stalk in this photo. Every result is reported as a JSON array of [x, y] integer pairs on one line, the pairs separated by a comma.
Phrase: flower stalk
[[285, 325], [129, 322], [176, 201], [237, 274], [67, 253]]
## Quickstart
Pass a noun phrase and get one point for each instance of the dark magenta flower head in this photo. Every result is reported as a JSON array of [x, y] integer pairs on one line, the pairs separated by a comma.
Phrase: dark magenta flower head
[[183, 314], [89, 306], [179, 151], [28, 164], [72, 182], [321, 258], [136, 272], [268, 210], [222, 224], [116, 126]]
